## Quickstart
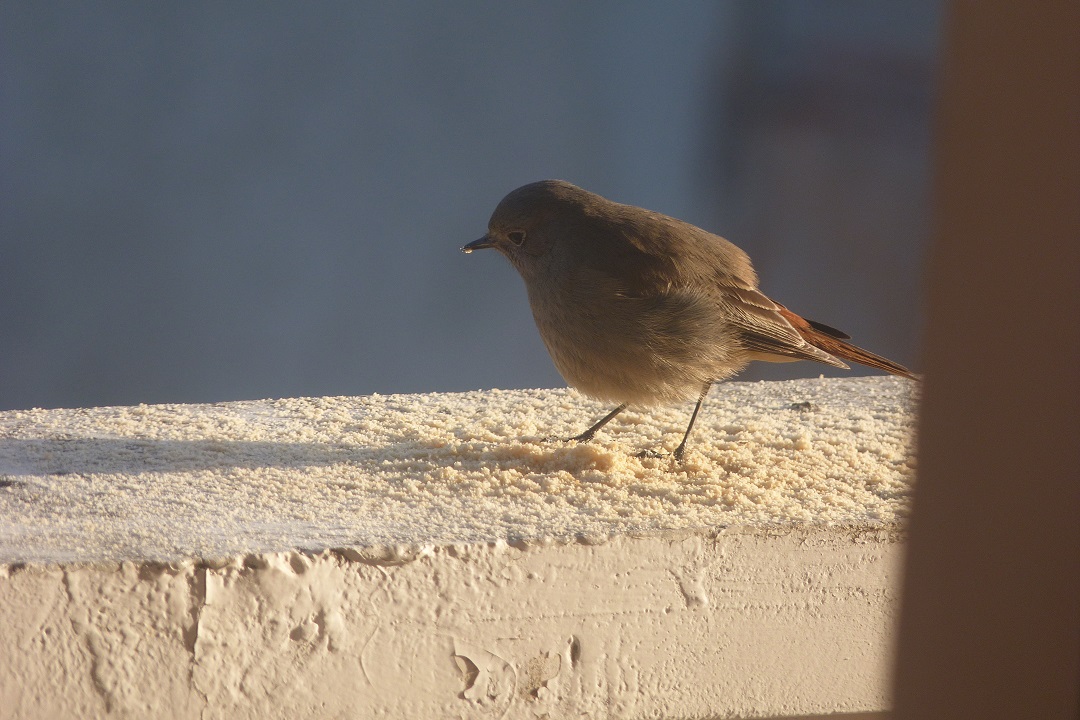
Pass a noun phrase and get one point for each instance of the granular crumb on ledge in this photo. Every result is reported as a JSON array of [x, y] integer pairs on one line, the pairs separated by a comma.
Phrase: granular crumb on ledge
[[176, 482]]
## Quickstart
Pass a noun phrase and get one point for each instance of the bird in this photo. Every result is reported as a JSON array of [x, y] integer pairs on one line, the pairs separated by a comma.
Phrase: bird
[[639, 308]]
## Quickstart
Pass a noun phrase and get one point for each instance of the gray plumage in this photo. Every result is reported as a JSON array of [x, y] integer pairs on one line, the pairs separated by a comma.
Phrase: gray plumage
[[636, 307]]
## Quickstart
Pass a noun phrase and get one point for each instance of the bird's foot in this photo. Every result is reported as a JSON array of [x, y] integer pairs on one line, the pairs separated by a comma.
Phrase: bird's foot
[[677, 454], [650, 454], [583, 438]]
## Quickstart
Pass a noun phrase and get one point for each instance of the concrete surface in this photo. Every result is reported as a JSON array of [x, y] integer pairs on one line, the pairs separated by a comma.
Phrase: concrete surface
[[433, 556]]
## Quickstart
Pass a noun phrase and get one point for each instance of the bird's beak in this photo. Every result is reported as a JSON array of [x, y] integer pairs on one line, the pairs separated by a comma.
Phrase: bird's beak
[[484, 242]]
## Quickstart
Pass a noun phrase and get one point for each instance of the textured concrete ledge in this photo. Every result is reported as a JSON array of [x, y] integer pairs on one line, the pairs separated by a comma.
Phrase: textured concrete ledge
[[432, 556]]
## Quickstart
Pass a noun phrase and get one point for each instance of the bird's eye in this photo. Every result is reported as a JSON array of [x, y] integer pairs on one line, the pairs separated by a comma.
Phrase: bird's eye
[[517, 237]]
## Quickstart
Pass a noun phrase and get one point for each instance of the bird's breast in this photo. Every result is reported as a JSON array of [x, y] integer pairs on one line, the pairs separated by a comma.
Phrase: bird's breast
[[638, 350]]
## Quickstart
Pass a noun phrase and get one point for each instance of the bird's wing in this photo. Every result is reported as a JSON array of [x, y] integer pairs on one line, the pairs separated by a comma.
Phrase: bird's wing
[[649, 253], [766, 326]]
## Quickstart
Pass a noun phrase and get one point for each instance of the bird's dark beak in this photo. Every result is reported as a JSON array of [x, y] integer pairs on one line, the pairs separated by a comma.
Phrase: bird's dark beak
[[484, 242]]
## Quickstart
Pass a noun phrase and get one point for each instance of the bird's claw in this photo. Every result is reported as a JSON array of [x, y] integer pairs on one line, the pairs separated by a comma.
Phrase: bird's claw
[[677, 455], [651, 454]]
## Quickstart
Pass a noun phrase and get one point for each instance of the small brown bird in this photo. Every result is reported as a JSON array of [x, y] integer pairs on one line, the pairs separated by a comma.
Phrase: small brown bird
[[638, 308]]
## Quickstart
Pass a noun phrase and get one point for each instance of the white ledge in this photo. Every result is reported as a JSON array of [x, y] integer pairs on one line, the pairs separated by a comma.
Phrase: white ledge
[[434, 556]]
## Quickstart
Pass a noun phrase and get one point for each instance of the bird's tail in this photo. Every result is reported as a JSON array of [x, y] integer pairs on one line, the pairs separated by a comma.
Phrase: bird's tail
[[834, 342]]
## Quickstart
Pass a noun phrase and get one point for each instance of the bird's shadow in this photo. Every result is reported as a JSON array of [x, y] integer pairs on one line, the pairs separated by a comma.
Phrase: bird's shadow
[[134, 456]]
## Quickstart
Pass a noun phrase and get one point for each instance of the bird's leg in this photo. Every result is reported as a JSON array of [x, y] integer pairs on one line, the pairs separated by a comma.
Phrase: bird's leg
[[701, 398], [588, 434]]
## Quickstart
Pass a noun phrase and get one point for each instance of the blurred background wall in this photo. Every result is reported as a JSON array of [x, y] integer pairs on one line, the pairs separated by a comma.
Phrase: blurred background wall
[[213, 201]]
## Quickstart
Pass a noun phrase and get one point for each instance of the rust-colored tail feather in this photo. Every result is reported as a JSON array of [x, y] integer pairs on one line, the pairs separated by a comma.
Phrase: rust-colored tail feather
[[833, 342]]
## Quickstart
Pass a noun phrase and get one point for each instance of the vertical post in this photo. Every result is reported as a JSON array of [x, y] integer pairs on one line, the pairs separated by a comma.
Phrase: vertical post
[[990, 623]]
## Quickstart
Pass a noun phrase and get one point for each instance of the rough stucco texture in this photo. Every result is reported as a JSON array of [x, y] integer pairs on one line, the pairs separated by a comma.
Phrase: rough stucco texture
[[433, 556]]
